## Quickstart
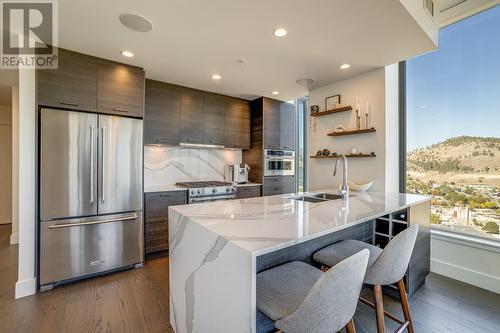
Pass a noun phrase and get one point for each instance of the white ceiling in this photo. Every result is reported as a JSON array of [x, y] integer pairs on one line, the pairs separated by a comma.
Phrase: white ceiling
[[192, 39], [451, 11]]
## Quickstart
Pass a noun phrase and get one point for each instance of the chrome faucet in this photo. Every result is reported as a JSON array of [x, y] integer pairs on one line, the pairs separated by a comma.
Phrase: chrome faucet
[[344, 189]]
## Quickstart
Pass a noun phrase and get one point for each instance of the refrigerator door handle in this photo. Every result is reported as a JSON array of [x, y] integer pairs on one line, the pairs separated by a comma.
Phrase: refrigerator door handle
[[67, 225], [103, 170], [92, 134]]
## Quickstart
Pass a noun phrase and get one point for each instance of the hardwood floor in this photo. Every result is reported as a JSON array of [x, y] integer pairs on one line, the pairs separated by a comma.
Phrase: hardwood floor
[[137, 301], [441, 305], [130, 301]]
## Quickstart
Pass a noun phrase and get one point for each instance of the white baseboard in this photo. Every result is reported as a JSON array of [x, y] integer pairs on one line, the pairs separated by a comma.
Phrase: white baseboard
[[14, 239], [25, 288], [469, 276]]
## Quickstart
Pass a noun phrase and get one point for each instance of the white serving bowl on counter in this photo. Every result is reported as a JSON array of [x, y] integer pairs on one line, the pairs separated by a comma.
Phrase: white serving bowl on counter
[[359, 187]]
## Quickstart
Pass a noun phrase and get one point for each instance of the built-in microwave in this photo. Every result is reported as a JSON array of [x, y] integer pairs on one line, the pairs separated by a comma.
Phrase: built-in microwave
[[278, 162]]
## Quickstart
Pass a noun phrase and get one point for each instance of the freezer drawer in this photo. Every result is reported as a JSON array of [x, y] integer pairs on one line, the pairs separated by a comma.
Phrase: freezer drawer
[[79, 247]]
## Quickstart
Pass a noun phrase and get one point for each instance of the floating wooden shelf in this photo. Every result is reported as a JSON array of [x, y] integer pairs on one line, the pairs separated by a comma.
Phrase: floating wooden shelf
[[336, 110], [368, 130], [350, 155]]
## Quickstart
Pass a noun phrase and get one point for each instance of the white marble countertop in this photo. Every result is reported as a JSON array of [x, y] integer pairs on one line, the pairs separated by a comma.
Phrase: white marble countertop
[[163, 188], [264, 224]]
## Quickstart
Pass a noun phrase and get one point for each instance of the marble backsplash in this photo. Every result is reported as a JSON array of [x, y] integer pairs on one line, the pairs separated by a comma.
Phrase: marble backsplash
[[169, 165]]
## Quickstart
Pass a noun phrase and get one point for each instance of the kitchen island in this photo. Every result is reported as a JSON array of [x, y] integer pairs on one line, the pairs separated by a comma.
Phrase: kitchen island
[[216, 249]]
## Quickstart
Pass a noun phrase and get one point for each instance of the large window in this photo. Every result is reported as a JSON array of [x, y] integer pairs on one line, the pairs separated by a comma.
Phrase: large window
[[453, 126]]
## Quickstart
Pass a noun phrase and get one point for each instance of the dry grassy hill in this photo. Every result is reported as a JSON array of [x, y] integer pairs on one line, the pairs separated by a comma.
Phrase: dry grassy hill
[[463, 159]]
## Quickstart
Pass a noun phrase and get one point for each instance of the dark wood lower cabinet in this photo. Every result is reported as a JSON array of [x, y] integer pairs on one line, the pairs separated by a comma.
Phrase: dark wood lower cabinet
[[249, 191], [156, 218], [278, 185]]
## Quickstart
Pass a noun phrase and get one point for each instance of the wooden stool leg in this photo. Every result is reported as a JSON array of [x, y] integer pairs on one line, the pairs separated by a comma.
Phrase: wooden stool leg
[[350, 326], [404, 304], [379, 309]]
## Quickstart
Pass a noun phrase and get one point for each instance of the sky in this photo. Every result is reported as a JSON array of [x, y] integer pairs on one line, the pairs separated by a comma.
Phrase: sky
[[455, 90]]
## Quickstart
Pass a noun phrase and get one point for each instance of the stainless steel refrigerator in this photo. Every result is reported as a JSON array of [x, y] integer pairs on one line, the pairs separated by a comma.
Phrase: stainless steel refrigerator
[[90, 195]]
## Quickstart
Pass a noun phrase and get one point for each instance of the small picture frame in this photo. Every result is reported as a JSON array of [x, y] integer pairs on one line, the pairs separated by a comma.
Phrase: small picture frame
[[331, 102], [314, 109]]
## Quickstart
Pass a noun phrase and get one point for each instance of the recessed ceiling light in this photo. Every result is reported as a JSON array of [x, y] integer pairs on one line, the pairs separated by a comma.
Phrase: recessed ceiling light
[[136, 22], [275, 93], [345, 66], [280, 32], [127, 54], [216, 76]]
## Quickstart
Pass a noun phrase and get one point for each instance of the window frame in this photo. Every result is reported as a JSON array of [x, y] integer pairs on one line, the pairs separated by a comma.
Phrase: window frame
[[463, 238]]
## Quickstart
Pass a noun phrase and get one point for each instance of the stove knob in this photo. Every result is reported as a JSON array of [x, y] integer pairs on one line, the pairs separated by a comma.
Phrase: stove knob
[[214, 190], [199, 191], [192, 191]]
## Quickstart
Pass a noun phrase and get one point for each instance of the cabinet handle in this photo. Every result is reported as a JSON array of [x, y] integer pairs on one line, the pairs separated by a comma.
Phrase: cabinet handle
[[165, 195], [120, 110], [161, 141], [68, 103], [213, 141]]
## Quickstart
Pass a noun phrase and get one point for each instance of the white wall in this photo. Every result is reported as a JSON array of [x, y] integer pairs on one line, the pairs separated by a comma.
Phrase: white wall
[[392, 128], [14, 237], [26, 283], [466, 259], [368, 87], [5, 164]]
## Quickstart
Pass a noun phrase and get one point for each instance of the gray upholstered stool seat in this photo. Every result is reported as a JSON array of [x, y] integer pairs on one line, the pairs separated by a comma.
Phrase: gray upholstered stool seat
[[385, 267], [274, 286], [335, 253], [301, 298]]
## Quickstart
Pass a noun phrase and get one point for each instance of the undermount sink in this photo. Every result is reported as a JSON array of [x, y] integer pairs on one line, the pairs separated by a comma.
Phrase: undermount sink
[[327, 196], [308, 199], [317, 197]]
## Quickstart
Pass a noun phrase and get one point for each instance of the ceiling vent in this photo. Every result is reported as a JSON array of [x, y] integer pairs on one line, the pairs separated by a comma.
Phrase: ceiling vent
[[136, 22]]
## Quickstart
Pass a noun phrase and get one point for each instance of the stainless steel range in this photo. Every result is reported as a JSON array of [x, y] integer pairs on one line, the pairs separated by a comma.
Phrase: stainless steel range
[[209, 191]]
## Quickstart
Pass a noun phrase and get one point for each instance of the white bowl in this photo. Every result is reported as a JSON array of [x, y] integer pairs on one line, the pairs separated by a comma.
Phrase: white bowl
[[359, 187]]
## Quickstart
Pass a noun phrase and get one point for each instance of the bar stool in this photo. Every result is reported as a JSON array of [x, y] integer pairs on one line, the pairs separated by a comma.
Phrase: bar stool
[[385, 267], [301, 298]]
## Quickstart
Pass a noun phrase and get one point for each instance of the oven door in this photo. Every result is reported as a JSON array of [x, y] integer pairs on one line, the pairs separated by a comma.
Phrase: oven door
[[275, 166]]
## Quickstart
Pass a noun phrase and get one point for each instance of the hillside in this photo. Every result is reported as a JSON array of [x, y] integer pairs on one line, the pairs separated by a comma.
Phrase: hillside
[[462, 175], [464, 159]]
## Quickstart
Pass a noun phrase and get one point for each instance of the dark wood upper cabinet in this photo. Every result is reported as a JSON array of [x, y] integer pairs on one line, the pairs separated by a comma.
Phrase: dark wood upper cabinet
[[162, 113], [192, 115], [287, 133], [237, 125], [272, 123], [215, 114], [279, 124], [73, 85], [120, 89]]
